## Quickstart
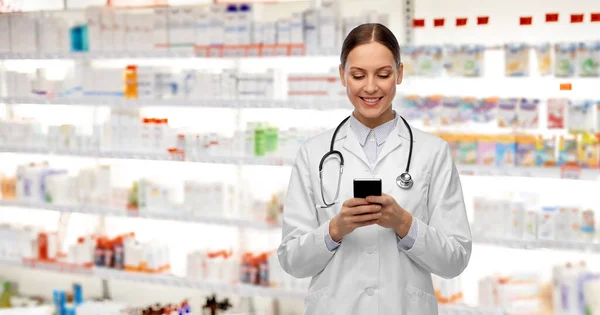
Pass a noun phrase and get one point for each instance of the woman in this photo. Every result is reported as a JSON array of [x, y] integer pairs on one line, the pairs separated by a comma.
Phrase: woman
[[374, 255]]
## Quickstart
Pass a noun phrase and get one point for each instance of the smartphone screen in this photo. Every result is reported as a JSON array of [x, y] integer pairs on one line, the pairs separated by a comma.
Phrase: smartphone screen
[[364, 187]]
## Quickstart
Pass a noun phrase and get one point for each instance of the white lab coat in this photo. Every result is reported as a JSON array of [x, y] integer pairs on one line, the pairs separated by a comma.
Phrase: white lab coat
[[368, 274]]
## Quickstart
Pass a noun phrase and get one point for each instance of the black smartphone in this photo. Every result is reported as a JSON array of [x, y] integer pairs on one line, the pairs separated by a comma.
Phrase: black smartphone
[[364, 187]]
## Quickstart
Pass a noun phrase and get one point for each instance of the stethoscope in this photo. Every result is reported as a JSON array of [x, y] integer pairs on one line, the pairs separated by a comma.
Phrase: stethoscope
[[403, 180]]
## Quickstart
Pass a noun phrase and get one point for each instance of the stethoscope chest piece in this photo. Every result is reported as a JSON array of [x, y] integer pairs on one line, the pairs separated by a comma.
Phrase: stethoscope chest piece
[[404, 181]]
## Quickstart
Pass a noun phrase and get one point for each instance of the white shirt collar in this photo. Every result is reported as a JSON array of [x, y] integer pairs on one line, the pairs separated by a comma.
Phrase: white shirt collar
[[380, 132]]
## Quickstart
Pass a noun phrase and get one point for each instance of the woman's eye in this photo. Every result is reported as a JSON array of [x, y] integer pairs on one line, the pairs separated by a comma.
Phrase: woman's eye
[[384, 76], [358, 77]]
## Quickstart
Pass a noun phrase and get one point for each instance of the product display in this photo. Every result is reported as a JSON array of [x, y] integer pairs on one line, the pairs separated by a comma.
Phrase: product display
[[515, 293], [518, 218], [571, 290], [39, 184], [580, 59], [581, 150], [218, 30], [12, 299], [260, 269], [142, 83], [127, 131], [514, 113], [448, 291]]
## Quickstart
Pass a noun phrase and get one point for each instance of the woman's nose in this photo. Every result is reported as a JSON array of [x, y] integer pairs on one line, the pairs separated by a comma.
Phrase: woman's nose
[[370, 87]]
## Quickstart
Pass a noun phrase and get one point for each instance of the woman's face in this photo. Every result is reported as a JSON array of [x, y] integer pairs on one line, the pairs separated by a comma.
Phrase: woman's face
[[370, 77]]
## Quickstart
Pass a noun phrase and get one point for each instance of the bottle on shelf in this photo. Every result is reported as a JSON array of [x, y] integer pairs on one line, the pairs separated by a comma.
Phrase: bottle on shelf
[[6, 296]]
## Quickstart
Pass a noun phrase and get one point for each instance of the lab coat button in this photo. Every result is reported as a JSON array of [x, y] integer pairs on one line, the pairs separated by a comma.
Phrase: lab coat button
[[370, 291], [370, 250]]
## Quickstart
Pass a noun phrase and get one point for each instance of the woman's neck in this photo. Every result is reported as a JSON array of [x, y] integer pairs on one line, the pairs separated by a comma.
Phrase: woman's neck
[[375, 121]]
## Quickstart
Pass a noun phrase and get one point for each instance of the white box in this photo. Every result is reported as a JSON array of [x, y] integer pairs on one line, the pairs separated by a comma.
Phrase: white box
[[257, 32], [230, 20], [296, 29], [49, 37], [146, 82], [202, 18], [145, 38], [161, 29], [245, 25], [283, 32], [181, 28], [23, 32], [132, 32], [311, 31], [5, 34], [107, 29], [174, 22], [328, 25], [269, 33], [94, 22], [120, 26], [217, 25]]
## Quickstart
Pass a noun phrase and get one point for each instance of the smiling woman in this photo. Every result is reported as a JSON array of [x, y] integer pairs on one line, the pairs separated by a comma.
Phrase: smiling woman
[[370, 69], [373, 254]]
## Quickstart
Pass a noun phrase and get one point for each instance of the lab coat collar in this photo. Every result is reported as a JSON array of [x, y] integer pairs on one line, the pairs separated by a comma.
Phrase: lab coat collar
[[401, 131], [351, 143]]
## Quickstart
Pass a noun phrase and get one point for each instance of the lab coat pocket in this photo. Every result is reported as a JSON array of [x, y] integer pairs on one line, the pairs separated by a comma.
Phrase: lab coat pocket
[[419, 302], [318, 302]]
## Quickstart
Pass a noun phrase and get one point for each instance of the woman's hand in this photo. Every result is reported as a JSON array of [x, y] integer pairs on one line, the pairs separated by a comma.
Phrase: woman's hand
[[356, 212], [392, 215]]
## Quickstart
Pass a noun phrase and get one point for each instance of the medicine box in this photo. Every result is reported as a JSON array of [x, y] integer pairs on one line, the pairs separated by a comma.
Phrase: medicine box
[[160, 33], [107, 29], [5, 35], [94, 22]]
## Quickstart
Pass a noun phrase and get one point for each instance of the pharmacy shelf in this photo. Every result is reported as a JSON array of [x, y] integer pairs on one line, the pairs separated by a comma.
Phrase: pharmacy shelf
[[164, 54], [266, 161], [97, 55], [462, 309], [468, 170], [166, 214], [46, 266], [169, 280], [537, 172], [119, 102], [538, 244], [158, 279]]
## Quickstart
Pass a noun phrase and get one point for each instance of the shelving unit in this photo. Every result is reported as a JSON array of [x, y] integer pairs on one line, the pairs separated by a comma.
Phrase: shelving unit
[[234, 289], [267, 161], [539, 244], [316, 104], [178, 215], [464, 169], [158, 279], [167, 54], [460, 309], [165, 214]]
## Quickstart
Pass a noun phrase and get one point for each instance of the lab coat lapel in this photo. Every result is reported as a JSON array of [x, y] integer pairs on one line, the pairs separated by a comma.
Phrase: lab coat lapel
[[399, 136], [352, 145], [392, 142]]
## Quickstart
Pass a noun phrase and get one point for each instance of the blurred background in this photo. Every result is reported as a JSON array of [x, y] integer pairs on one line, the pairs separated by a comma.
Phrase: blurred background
[[146, 146]]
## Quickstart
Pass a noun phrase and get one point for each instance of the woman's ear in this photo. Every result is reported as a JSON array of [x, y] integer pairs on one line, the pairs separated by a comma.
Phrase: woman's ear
[[342, 78], [400, 73]]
